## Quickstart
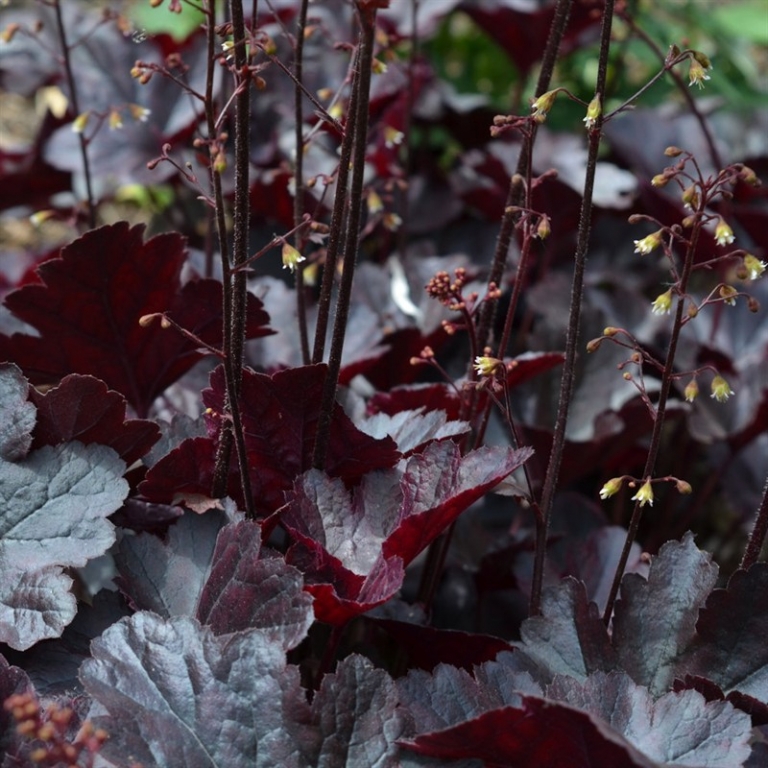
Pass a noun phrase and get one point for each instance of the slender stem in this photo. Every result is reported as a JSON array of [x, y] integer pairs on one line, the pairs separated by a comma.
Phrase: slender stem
[[757, 537], [65, 53], [658, 424], [438, 549], [363, 79], [337, 229], [298, 200], [572, 334]]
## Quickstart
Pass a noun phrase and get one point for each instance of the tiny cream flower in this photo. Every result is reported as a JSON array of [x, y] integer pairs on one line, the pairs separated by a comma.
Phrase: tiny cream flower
[[723, 233], [542, 105], [691, 198], [612, 487], [79, 123], [594, 110], [645, 494], [375, 205], [392, 137], [291, 257], [139, 113], [697, 74], [754, 266], [392, 222], [485, 365], [691, 390], [543, 230], [115, 120], [662, 305], [649, 242], [721, 390], [728, 294]]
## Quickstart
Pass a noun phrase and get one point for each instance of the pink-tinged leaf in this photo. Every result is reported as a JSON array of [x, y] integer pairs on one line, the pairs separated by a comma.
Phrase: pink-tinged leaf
[[53, 514], [569, 637], [540, 733], [82, 408], [178, 695], [676, 729], [426, 646], [356, 711], [730, 644], [353, 547], [248, 589], [88, 307], [648, 641], [17, 414]]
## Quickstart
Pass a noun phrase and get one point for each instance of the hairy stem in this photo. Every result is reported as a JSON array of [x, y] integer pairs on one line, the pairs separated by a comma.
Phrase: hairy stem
[[572, 334], [298, 200], [65, 54], [363, 80]]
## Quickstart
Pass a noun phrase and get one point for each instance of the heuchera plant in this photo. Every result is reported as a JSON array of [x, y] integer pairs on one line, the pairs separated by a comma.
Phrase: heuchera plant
[[322, 442]]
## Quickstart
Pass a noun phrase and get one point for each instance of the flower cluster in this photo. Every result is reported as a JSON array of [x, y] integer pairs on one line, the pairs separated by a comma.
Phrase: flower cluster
[[49, 728]]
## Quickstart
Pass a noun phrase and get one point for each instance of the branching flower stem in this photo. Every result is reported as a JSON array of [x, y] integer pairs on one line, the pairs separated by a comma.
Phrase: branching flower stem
[[367, 15], [572, 334], [65, 54], [667, 377]]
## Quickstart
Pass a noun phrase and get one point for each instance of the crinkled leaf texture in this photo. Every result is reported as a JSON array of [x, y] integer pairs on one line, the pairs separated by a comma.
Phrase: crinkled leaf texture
[[655, 619], [88, 306], [178, 695], [280, 415], [53, 510], [17, 415], [730, 645], [676, 729], [353, 548], [218, 573]]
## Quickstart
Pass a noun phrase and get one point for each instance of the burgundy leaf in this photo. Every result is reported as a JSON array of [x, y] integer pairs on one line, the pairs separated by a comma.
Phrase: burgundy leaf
[[540, 733], [569, 637], [354, 546], [729, 647], [677, 729], [426, 646], [82, 408], [88, 310], [246, 589], [649, 641]]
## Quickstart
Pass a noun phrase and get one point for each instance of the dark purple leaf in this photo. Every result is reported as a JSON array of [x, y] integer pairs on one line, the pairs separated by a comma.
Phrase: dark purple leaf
[[569, 638], [280, 415], [649, 640], [53, 510], [82, 408], [88, 308], [356, 711], [168, 576], [246, 589], [393, 515], [176, 694], [426, 646], [677, 729], [17, 414], [729, 647], [540, 732], [450, 696]]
